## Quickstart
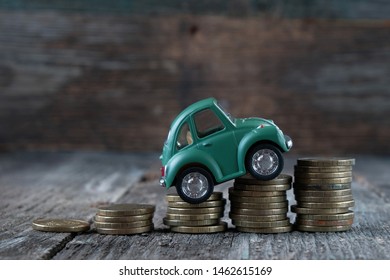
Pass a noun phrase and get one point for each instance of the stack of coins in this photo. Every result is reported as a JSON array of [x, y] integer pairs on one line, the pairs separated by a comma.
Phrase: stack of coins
[[260, 206], [204, 217], [322, 188], [124, 219]]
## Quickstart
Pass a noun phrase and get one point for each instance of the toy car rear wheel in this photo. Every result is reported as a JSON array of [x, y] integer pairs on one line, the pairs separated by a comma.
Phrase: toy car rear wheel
[[264, 162], [195, 185]]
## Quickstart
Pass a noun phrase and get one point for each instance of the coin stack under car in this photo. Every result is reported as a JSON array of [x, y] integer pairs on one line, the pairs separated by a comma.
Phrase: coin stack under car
[[260, 206], [322, 188], [124, 219], [204, 217]]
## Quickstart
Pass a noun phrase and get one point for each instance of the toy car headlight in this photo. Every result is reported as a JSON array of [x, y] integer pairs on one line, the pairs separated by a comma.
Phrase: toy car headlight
[[289, 142]]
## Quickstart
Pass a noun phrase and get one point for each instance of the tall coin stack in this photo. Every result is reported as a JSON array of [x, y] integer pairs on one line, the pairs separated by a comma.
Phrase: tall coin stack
[[322, 188], [260, 206], [204, 217], [124, 219]]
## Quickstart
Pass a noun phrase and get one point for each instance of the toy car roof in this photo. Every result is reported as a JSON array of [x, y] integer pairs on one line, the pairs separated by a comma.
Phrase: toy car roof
[[197, 106]]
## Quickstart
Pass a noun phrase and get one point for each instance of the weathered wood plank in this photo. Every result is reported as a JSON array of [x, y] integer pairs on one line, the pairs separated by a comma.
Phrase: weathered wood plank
[[104, 81], [60, 185], [362, 9], [71, 185]]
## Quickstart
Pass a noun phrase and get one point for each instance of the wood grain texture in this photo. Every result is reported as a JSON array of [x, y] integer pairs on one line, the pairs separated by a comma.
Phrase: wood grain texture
[[352, 9], [101, 81], [62, 185], [72, 185]]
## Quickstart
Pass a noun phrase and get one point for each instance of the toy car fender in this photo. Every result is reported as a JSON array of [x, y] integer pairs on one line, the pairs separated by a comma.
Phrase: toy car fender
[[266, 135], [191, 159]]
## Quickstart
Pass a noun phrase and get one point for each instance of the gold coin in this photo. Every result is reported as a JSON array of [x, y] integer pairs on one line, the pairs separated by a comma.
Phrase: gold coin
[[319, 211], [312, 175], [195, 211], [324, 223], [322, 169], [262, 188], [325, 162], [266, 230], [251, 224], [124, 219], [123, 225], [344, 204], [190, 223], [125, 231], [324, 199], [328, 193], [60, 225], [329, 217], [321, 187], [271, 205], [253, 218], [222, 226], [194, 217], [206, 204], [327, 181], [282, 179], [177, 198], [322, 229], [260, 212], [257, 199], [238, 192], [116, 210]]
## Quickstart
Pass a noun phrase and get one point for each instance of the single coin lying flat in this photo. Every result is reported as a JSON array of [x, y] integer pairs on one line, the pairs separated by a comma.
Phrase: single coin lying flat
[[60, 225]]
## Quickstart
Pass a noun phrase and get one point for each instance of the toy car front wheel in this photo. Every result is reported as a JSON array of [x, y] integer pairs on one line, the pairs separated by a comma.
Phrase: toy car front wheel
[[195, 185], [264, 162]]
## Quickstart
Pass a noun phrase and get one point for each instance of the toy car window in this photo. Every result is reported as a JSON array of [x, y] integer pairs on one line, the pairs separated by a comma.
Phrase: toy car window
[[184, 138], [207, 123], [231, 118]]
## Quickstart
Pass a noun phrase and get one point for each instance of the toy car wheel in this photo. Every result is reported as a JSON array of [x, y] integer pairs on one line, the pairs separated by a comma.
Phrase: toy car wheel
[[195, 185], [264, 162]]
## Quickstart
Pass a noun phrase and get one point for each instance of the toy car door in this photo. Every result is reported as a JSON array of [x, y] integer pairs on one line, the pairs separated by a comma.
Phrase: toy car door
[[216, 138]]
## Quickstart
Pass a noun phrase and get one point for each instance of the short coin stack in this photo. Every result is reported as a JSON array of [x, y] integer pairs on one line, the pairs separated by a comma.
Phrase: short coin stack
[[260, 206], [322, 188], [204, 217], [124, 219]]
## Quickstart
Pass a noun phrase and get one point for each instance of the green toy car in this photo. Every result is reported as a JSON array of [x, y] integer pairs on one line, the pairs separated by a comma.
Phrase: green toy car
[[207, 146]]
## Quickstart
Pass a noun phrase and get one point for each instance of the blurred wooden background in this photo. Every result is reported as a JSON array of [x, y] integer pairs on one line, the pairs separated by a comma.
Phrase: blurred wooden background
[[111, 75]]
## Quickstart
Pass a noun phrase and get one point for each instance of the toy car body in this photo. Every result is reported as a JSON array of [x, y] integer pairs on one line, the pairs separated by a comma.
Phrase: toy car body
[[206, 146]]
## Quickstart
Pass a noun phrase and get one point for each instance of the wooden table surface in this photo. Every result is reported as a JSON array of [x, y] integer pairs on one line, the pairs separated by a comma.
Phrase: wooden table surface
[[72, 185]]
